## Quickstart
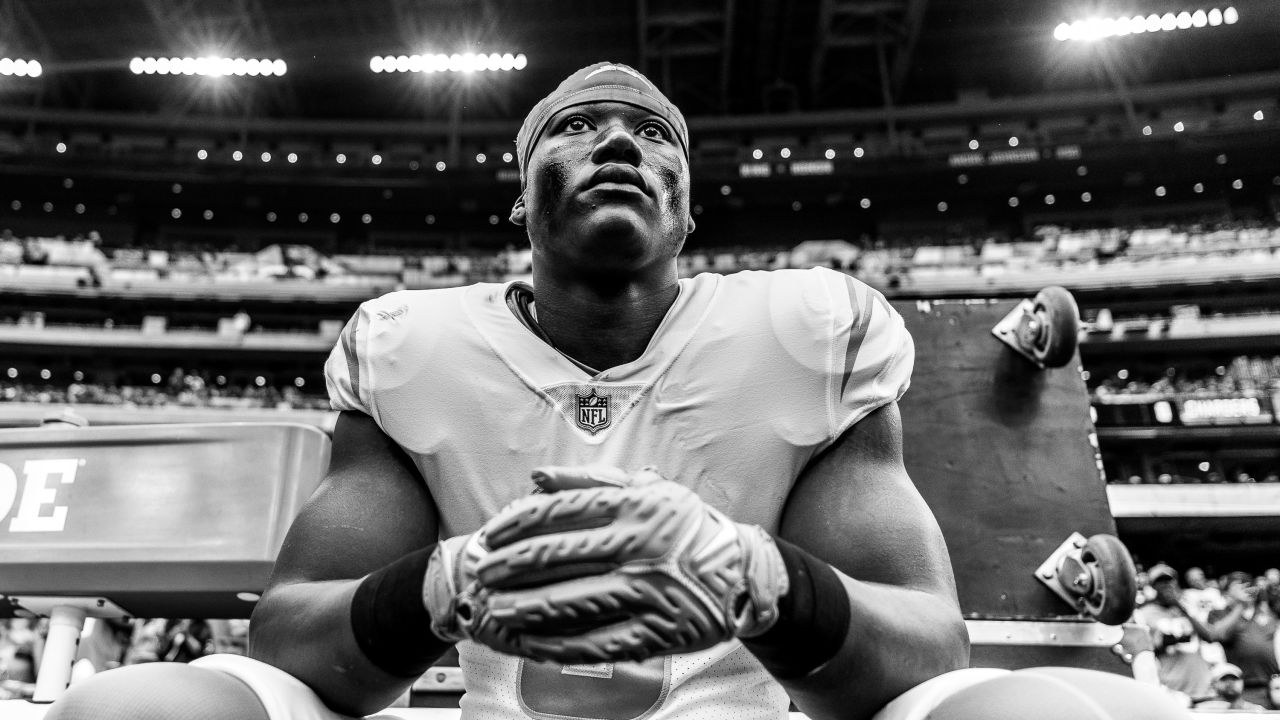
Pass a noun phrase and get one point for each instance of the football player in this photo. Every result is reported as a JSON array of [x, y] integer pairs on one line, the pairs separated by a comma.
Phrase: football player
[[622, 494]]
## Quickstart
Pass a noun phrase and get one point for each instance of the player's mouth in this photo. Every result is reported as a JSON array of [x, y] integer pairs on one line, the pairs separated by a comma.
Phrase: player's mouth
[[617, 177]]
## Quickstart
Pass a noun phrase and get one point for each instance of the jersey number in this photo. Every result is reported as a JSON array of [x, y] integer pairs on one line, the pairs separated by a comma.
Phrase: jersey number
[[607, 691]]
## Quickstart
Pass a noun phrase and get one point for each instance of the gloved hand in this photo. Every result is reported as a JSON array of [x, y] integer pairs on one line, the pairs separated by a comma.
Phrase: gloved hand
[[449, 584], [620, 566]]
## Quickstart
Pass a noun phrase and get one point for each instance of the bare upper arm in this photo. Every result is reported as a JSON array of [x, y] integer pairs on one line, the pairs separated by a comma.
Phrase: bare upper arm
[[372, 508], [856, 507]]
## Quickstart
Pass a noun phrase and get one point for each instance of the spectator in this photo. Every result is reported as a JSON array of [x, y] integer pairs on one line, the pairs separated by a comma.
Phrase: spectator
[[1175, 636], [17, 675], [185, 640], [1247, 630], [1228, 688], [1200, 599], [21, 643]]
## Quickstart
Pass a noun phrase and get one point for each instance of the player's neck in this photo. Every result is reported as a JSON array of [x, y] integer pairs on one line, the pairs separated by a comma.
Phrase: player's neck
[[602, 326]]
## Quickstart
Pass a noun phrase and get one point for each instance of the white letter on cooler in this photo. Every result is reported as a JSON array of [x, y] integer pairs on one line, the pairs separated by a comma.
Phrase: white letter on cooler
[[8, 489], [36, 494]]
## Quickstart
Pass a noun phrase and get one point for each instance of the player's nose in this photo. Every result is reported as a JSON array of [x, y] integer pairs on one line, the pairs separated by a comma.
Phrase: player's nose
[[616, 144]]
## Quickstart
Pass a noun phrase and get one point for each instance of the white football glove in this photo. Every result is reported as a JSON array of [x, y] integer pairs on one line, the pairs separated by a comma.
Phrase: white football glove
[[449, 583], [612, 566]]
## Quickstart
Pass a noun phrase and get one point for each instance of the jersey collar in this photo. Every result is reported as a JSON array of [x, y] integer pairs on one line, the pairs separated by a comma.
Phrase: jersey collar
[[515, 337]]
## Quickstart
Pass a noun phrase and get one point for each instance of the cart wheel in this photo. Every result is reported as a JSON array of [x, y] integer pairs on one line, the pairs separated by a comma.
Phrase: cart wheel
[[1056, 322], [1115, 580]]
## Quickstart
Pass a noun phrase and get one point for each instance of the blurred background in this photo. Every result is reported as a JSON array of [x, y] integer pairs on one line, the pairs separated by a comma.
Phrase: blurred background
[[195, 196]]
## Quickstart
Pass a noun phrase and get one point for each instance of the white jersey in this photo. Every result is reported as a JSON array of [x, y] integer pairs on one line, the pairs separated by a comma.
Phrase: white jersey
[[748, 378]]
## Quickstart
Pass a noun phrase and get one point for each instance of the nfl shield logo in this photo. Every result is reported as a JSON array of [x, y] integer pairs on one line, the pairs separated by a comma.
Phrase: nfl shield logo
[[593, 412]]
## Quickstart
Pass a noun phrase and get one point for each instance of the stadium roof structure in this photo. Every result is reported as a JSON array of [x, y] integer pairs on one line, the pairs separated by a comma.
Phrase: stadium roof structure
[[715, 58]]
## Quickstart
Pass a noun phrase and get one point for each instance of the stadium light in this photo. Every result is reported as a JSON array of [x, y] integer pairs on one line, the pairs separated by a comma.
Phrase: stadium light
[[21, 67], [211, 66], [440, 62], [1097, 28]]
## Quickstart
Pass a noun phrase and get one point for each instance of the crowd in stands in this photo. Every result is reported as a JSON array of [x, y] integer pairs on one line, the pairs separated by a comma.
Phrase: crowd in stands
[[1164, 475], [1214, 637], [108, 643], [883, 264], [1243, 376], [184, 388]]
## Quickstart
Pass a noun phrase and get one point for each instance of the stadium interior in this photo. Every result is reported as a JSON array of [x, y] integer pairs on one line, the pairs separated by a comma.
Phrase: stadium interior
[[194, 197]]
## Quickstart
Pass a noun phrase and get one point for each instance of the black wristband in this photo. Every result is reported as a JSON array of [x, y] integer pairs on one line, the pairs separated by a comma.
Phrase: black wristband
[[390, 622], [813, 618]]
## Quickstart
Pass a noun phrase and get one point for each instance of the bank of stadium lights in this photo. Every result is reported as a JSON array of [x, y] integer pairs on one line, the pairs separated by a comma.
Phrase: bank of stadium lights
[[1093, 29], [439, 62], [21, 67], [208, 66]]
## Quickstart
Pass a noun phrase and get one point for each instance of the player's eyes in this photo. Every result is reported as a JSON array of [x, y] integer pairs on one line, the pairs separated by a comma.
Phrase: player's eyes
[[577, 123], [654, 131]]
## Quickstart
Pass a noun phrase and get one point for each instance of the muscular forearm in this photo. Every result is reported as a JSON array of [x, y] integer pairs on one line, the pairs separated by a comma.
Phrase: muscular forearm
[[305, 630], [1225, 626], [897, 639]]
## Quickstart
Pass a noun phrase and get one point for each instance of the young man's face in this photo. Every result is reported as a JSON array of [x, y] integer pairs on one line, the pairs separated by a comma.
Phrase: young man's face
[[1241, 591], [1166, 591], [608, 182]]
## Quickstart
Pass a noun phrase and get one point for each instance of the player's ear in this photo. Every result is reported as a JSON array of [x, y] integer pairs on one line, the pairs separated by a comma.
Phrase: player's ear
[[518, 211]]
